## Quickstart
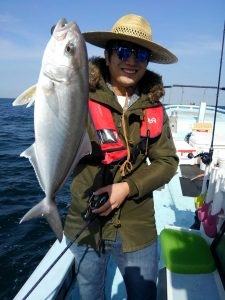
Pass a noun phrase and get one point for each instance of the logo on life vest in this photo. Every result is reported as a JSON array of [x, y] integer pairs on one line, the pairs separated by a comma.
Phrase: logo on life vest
[[151, 120]]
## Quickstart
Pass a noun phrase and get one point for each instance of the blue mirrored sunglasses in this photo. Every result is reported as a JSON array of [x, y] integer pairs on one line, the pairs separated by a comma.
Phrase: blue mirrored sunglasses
[[124, 53]]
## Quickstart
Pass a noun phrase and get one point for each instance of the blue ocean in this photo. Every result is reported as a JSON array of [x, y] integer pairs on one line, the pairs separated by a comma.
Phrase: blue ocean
[[22, 246]]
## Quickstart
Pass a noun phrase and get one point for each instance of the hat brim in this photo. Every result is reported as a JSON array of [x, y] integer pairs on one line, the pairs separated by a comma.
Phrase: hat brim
[[159, 54]]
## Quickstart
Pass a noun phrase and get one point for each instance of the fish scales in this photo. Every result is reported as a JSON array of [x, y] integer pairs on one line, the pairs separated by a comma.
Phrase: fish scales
[[60, 114]]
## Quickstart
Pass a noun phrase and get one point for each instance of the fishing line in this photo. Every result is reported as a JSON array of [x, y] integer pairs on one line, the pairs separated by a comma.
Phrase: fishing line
[[217, 96]]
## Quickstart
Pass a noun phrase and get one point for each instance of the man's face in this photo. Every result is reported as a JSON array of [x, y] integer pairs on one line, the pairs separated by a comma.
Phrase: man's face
[[125, 74]]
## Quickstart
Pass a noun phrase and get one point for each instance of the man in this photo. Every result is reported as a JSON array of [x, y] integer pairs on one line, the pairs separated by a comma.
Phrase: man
[[133, 154]]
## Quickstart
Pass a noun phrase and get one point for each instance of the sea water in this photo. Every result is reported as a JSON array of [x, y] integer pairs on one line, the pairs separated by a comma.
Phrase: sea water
[[22, 246]]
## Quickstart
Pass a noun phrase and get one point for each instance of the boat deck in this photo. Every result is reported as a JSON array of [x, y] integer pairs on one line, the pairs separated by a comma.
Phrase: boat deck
[[171, 207], [174, 205]]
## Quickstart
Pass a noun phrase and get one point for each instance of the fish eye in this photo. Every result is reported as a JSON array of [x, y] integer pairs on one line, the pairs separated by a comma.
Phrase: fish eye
[[70, 49]]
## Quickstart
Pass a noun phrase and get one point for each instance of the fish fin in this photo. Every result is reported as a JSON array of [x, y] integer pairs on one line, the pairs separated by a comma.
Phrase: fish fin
[[31, 155], [27, 97], [29, 152], [48, 210], [84, 149], [85, 146]]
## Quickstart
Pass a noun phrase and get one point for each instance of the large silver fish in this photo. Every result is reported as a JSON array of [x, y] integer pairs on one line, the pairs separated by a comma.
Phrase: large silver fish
[[60, 113]]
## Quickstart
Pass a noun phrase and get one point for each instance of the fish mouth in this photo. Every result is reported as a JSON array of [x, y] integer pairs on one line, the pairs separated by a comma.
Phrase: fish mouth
[[61, 28]]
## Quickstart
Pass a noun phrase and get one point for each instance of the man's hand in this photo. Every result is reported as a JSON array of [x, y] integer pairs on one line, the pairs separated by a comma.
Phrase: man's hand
[[117, 192]]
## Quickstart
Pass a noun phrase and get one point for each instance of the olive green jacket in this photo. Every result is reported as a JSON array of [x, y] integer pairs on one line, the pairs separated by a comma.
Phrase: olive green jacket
[[135, 219]]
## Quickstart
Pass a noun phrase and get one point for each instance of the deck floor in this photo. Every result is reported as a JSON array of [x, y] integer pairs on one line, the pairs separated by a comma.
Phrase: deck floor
[[172, 206]]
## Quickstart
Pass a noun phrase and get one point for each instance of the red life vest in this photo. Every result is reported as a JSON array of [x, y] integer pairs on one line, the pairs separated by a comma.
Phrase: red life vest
[[110, 142]]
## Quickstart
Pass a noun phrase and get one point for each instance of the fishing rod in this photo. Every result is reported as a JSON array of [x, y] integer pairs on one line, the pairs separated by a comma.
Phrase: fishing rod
[[94, 202], [57, 259], [217, 95], [207, 157]]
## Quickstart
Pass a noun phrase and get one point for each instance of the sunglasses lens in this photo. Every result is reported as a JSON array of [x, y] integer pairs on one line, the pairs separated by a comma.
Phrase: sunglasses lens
[[124, 53], [142, 55]]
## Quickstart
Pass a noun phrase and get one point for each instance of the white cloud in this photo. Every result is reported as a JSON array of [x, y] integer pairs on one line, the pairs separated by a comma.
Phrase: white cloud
[[17, 40], [6, 18], [11, 50], [12, 25], [197, 45]]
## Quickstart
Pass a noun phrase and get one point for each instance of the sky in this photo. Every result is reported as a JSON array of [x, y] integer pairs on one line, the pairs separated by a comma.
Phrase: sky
[[191, 29]]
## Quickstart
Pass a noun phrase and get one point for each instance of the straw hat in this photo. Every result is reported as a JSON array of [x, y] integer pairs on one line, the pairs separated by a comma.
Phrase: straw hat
[[135, 29]]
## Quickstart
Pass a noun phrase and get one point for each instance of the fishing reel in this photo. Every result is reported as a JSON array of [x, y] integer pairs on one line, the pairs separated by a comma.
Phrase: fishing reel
[[206, 157], [94, 202]]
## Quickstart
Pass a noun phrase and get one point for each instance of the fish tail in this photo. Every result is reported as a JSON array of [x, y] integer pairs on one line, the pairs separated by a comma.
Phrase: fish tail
[[48, 210]]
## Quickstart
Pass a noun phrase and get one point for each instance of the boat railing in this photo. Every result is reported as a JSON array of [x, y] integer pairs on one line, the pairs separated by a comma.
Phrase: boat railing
[[186, 107]]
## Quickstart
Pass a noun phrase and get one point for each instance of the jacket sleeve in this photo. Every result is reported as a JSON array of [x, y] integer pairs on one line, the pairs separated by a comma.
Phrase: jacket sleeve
[[163, 166]]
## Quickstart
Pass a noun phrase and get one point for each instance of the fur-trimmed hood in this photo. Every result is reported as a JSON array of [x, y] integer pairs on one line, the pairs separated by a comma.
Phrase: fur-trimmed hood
[[151, 84]]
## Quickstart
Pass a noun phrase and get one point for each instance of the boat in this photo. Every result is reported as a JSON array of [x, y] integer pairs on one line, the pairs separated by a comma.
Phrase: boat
[[192, 127], [192, 255]]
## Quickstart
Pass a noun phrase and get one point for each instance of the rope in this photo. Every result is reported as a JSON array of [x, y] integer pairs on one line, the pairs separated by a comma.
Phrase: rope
[[127, 166]]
